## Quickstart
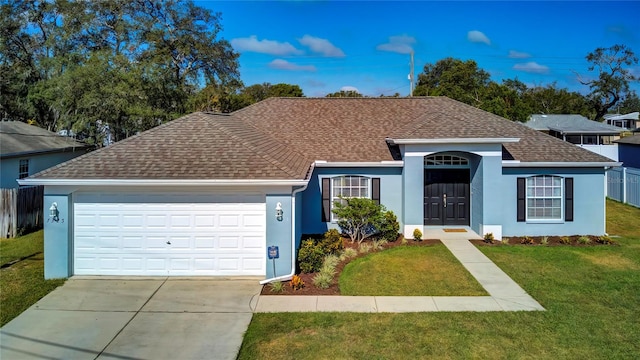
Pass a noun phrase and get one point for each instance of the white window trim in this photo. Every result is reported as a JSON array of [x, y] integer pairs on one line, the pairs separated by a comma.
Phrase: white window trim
[[561, 197], [333, 197]]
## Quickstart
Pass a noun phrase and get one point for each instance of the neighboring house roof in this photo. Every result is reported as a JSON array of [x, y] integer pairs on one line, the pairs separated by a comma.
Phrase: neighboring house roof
[[19, 139], [571, 124], [629, 116], [280, 138], [631, 140]]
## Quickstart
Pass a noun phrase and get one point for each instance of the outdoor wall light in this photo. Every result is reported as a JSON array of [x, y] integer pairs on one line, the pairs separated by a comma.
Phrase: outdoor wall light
[[279, 212], [53, 212]]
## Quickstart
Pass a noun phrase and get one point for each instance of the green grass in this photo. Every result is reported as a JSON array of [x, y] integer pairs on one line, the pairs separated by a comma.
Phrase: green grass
[[409, 271], [592, 297], [22, 284]]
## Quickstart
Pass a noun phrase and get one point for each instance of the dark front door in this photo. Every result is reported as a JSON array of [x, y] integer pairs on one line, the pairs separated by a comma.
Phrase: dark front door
[[446, 197]]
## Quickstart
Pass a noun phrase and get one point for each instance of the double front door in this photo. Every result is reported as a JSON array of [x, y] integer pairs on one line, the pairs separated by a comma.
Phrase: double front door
[[446, 197]]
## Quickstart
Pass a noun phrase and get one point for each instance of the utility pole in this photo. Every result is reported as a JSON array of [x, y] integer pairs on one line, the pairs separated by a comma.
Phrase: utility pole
[[411, 75]]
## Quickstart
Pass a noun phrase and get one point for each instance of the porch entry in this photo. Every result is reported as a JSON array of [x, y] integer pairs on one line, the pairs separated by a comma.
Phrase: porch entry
[[446, 190]]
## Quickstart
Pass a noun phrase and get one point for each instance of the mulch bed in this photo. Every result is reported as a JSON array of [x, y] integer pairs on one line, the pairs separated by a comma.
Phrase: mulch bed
[[310, 289], [537, 240]]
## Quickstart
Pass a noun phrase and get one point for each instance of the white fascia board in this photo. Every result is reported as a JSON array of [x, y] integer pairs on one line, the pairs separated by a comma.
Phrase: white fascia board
[[559, 164], [339, 164], [160, 182], [454, 141]]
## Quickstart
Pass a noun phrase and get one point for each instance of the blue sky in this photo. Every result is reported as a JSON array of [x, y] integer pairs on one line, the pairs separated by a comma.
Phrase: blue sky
[[325, 46]]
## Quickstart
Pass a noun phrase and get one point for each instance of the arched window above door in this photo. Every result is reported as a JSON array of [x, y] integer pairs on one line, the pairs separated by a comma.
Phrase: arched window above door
[[445, 160]]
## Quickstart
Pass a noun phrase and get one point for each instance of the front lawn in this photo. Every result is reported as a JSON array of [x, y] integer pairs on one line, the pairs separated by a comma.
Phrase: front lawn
[[591, 295], [22, 284], [409, 271]]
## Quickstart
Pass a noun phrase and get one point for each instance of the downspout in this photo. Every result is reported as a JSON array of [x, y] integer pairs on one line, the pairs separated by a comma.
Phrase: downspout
[[293, 237]]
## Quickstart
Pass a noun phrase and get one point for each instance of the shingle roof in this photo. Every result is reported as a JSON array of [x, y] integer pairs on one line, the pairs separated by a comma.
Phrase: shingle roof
[[279, 138], [576, 124], [633, 140], [18, 138]]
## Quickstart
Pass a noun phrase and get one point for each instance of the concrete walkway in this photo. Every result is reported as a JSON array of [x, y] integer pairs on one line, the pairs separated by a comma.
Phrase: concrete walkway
[[505, 294]]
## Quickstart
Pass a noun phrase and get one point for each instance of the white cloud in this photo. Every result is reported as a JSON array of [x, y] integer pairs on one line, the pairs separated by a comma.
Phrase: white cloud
[[399, 44], [531, 67], [264, 46], [518, 54], [478, 37], [321, 46], [285, 65]]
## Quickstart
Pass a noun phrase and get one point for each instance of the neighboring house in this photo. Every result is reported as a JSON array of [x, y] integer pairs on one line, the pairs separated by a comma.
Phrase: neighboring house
[[208, 194], [26, 150], [629, 151], [577, 129], [629, 121]]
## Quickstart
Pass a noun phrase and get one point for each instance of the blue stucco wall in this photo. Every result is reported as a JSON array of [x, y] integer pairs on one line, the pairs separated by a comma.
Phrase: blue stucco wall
[[589, 203], [413, 182], [10, 167], [390, 194], [57, 238], [279, 234], [629, 155], [477, 182]]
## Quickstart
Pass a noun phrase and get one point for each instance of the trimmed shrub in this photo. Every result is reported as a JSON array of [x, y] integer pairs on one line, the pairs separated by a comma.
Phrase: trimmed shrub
[[488, 238], [296, 282], [332, 243], [584, 240], [359, 218], [390, 227], [276, 287], [348, 254], [310, 256], [417, 235], [323, 280], [526, 240], [544, 241], [565, 240]]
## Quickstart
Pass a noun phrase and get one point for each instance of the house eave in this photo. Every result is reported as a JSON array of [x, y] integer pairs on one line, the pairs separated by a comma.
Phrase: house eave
[[43, 152], [162, 182], [518, 164], [453, 141], [341, 164]]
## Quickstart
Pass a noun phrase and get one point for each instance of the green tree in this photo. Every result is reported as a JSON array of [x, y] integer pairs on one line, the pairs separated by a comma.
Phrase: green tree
[[359, 218], [505, 101], [345, 93], [631, 103], [460, 80], [550, 99], [611, 83]]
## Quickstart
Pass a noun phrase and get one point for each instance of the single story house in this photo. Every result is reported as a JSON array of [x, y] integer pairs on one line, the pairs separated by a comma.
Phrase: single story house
[[577, 129], [26, 149], [629, 121], [629, 151], [210, 194]]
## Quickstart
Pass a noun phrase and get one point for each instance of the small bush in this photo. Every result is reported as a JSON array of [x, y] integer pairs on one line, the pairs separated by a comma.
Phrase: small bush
[[323, 280], [379, 244], [417, 235], [605, 240], [505, 240], [330, 263], [488, 238], [276, 287], [389, 227], [332, 243], [296, 282], [584, 240], [544, 241], [565, 240], [348, 254], [526, 240], [310, 256], [365, 248]]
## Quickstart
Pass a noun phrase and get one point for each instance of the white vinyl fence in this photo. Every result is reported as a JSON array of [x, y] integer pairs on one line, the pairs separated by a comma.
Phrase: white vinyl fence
[[623, 184]]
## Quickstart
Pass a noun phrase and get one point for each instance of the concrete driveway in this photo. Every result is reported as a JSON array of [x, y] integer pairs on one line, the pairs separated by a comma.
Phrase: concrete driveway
[[134, 319]]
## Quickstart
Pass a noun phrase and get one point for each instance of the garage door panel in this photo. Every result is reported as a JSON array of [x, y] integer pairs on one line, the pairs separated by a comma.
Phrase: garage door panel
[[117, 236]]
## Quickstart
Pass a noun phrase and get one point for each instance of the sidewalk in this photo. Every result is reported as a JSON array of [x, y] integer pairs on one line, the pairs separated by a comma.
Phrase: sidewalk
[[505, 294]]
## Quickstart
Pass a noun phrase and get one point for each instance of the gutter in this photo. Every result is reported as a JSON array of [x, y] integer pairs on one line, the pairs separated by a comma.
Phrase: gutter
[[293, 238], [453, 141], [515, 164], [390, 163], [160, 182]]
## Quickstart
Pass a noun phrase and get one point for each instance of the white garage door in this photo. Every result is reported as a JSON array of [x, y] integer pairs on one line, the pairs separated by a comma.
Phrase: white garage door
[[169, 234]]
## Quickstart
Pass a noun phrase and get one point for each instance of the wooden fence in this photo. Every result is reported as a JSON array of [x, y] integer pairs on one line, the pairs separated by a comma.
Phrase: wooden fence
[[21, 210]]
